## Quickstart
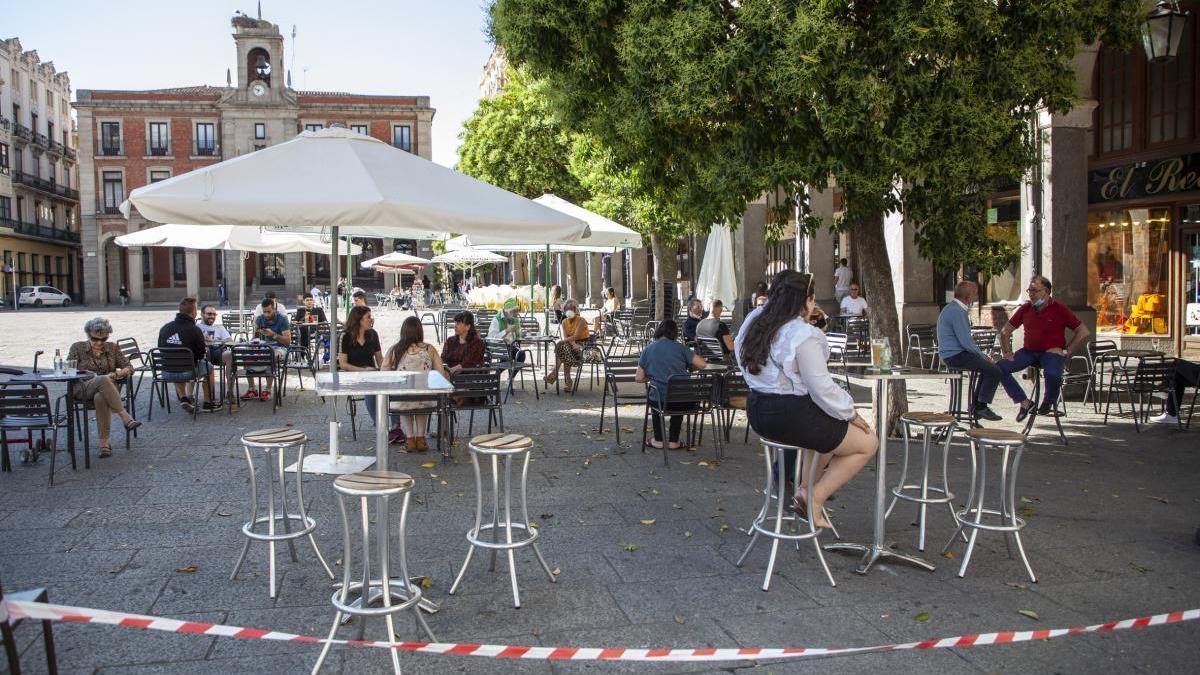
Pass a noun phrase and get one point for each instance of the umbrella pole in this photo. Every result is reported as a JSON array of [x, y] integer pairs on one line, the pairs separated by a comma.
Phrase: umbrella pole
[[242, 255], [334, 453], [546, 287]]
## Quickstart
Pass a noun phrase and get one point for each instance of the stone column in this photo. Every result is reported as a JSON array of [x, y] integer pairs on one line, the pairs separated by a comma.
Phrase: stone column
[[191, 261], [94, 284], [137, 295], [749, 255], [617, 264], [293, 270], [819, 248], [639, 274], [912, 275], [592, 279]]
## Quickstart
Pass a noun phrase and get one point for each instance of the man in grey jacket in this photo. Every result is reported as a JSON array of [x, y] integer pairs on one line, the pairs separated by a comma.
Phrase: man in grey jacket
[[957, 349]]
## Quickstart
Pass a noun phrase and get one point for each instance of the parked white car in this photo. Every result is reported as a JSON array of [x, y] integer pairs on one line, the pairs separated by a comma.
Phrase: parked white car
[[43, 295]]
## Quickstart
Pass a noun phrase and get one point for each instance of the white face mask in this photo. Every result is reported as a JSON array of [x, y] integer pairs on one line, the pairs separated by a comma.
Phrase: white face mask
[[570, 314]]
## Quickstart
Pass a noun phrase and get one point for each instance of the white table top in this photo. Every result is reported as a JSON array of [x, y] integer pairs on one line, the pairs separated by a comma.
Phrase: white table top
[[872, 374], [383, 383]]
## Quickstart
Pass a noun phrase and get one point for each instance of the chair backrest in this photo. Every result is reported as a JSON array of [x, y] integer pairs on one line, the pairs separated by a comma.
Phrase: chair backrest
[[985, 338], [483, 319], [496, 351], [530, 325], [709, 346], [237, 321], [1154, 373], [129, 348], [858, 326], [690, 388], [837, 345], [921, 331], [620, 369], [252, 356], [474, 383], [172, 360], [1100, 348], [25, 399]]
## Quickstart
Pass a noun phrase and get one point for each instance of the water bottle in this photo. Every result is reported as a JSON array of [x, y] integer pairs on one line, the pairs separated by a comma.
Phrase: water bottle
[[885, 357], [58, 362]]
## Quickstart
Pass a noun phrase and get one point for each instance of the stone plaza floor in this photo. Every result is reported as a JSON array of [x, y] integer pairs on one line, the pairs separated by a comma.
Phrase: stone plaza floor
[[645, 553]]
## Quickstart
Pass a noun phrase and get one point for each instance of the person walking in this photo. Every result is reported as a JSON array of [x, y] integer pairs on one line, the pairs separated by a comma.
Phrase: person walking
[[842, 277], [1045, 321], [123, 293], [957, 349], [222, 298]]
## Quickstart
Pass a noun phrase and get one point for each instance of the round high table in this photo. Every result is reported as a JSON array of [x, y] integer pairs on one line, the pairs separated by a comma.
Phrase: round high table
[[877, 549]]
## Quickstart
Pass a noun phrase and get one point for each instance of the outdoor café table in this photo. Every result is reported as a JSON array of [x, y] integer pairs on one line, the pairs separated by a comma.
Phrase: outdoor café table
[[1125, 356], [386, 384], [543, 343], [45, 376], [870, 375]]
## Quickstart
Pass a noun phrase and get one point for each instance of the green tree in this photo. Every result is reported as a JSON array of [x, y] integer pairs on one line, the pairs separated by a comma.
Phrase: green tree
[[911, 105]]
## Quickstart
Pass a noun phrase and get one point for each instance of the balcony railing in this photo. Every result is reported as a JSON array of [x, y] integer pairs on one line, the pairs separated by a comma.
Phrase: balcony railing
[[48, 186], [110, 210], [69, 153], [5, 124], [158, 150], [22, 131], [41, 139], [205, 150], [110, 150], [40, 231], [57, 148]]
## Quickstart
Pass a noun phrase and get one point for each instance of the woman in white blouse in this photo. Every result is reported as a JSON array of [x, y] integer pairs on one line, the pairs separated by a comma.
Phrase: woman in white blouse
[[793, 399]]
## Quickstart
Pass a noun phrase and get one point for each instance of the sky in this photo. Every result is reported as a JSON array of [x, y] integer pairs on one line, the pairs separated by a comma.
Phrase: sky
[[416, 47]]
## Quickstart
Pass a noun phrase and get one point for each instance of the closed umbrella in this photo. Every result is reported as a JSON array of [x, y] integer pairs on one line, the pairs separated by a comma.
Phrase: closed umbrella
[[336, 178], [717, 279]]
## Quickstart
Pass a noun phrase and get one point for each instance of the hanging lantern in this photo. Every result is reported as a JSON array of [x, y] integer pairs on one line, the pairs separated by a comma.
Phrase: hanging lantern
[[1163, 31]]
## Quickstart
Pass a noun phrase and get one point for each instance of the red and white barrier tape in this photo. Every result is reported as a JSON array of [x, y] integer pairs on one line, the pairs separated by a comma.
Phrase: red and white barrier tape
[[40, 611]]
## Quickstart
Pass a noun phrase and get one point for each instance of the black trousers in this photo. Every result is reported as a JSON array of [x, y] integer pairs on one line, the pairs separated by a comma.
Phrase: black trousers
[[675, 423], [1186, 372]]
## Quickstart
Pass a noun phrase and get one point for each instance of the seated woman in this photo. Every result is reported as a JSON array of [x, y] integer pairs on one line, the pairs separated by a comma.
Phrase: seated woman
[[793, 399], [412, 353], [608, 310], [104, 359], [360, 349], [567, 351], [464, 349], [556, 302], [661, 359]]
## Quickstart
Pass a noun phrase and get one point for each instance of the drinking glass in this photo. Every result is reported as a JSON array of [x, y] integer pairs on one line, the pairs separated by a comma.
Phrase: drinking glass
[[70, 367]]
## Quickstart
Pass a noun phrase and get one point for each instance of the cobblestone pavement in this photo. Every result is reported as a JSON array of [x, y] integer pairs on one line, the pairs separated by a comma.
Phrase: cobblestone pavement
[[645, 553]]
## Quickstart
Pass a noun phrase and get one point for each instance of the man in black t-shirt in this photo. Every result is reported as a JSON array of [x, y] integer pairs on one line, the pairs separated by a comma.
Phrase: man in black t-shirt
[[713, 327], [183, 332], [302, 319]]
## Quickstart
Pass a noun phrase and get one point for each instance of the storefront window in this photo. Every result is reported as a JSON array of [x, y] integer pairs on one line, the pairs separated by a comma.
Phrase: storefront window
[[1004, 225], [1128, 270], [1191, 283]]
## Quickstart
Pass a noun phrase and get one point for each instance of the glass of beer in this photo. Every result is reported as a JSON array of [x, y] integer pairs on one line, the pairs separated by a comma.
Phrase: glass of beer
[[877, 352]]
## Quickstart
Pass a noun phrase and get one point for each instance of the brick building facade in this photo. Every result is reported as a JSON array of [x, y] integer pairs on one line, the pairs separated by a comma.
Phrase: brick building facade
[[133, 138]]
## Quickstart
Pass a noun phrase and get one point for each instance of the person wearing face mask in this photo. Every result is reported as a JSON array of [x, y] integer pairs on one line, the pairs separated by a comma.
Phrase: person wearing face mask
[[1045, 321], [694, 317], [957, 349], [506, 325], [567, 350]]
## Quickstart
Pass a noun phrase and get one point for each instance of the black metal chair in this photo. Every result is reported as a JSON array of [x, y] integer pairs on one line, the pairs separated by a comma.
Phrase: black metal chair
[[137, 360], [858, 330], [621, 387], [710, 349], [1103, 361], [593, 356], [240, 324], [25, 407], [172, 365], [690, 395], [1153, 375], [256, 361], [299, 358], [730, 394], [125, 384], [431, 319], [501, 355], [8, 623], [476, 389]]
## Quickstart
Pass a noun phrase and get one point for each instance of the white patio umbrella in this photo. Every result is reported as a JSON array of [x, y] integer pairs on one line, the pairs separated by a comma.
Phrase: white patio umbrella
[[335, 178], [232, 238], [717, 279], [393, 261], [468, 258]]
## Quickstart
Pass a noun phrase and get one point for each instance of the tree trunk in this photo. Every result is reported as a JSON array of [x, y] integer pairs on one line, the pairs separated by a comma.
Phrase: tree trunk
[[664, 273], [870, 249]]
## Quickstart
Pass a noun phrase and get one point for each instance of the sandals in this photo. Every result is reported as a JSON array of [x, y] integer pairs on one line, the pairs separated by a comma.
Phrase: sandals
[[250, 395], [131, 425], [105, 451]]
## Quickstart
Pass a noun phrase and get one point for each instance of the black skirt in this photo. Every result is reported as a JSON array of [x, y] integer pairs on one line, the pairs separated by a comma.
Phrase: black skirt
[[794, 420]]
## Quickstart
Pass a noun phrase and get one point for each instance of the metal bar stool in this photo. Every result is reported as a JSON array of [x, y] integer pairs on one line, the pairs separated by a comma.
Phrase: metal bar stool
[[1057, 413], [274, 443], [930, 425], [510, 447], [773, 454], [962, 412], [770, 493], [378, 486], [1011, 445]]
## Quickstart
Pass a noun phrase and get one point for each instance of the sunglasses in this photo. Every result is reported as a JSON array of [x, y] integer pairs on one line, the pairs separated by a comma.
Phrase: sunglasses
[[93, 338]]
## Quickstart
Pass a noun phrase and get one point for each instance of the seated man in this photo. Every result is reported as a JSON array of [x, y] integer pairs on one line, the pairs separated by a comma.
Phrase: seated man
[[957, 349], [308, 313], [217, 353], [278, 305], [182, 332], [273, 329], [713, 327], [695, 315], [854, 304], [360, 298], [1045, 321]]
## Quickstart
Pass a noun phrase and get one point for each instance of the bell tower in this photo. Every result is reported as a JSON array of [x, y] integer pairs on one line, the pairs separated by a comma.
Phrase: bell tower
[[259, 59]]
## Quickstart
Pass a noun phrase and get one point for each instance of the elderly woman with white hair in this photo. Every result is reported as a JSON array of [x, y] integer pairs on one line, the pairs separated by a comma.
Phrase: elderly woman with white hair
[[104, 359]]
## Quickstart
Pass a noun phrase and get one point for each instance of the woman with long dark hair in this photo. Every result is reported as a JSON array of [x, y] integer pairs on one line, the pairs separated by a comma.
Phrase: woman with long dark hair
[[463, 349], [793, 399], [412, 353]]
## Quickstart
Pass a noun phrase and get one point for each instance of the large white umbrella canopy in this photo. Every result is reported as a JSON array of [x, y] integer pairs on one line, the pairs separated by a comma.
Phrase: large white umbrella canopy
[[463, 242], [606, 235], [468, 257], [393, 262], [717, 279], [336, 177], [231, 238]]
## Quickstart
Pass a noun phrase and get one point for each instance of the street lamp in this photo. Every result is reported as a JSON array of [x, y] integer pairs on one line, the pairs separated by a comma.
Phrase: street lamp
[[1163, 30]]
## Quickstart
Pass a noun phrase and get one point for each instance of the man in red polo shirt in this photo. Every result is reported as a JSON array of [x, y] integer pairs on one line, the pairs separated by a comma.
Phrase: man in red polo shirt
[[1045, 321]]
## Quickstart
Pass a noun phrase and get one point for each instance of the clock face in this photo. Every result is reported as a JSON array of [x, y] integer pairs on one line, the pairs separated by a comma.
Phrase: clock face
[[258, 89]]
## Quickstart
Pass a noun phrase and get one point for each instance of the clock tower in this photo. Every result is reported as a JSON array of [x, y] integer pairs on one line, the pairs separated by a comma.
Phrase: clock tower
[[259, 45]]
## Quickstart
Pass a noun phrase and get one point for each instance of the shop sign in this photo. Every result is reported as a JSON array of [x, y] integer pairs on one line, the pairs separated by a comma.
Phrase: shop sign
[[1155, 178]]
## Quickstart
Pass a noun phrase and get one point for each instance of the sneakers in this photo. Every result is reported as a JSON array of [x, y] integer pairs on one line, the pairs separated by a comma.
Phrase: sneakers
[[210, 406], [396, 435], [264, 395], [1165, 418], [187, 404], [983, 412], [249, 395]]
